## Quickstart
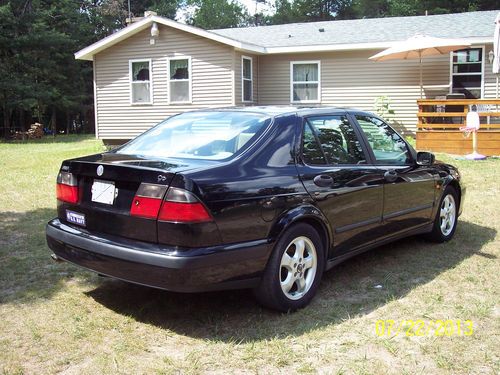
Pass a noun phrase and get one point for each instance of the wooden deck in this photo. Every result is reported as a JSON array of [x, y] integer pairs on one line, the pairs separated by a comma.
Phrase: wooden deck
[[439, 122]]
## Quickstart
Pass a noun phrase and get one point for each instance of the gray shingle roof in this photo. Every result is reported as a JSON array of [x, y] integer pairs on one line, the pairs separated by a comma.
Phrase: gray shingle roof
[[371, 30]]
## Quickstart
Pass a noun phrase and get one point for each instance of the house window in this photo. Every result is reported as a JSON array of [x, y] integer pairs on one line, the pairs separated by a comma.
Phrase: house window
[[141, 89], [179, 80], [467, 72], [246, 79], [305, 79]]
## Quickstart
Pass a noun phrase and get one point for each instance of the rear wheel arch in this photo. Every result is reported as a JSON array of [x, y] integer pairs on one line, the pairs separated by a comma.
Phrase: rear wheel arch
[[308, 215]]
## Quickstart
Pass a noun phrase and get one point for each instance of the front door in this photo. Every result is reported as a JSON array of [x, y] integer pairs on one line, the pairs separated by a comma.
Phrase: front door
[[409, 189], [335, 172]]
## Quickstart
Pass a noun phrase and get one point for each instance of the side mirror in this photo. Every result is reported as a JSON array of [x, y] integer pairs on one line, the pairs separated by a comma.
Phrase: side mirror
[[425, 158]]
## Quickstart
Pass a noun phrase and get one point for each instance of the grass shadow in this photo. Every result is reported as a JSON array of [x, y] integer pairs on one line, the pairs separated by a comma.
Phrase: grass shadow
[[346, 291], [27, 272]]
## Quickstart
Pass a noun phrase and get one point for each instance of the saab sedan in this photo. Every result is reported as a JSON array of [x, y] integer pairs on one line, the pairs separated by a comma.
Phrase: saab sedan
[[266, 198]]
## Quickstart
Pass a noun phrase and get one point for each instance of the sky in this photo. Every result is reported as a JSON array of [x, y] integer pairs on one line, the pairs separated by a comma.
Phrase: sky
[[249, 4]]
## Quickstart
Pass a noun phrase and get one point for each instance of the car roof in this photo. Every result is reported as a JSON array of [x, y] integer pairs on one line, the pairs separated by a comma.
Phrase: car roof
[[284, 110]]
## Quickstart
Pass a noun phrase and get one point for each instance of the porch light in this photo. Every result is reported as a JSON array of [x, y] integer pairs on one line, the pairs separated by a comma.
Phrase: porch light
[[155, 31], [491, 56]]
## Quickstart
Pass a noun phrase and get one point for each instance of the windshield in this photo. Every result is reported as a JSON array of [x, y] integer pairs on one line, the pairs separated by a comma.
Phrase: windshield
[[198, 135]]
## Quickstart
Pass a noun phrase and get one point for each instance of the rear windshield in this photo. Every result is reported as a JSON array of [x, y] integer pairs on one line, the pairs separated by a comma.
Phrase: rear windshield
[[198, 135]]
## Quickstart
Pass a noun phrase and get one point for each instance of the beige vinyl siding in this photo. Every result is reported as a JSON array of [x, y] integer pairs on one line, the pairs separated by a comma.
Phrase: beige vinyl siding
[[349, 79], [211, 79], [238, 73]]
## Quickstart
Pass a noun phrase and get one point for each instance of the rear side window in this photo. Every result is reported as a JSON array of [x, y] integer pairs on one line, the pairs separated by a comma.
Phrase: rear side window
[[199, 135], [388, 147], [330, 140]]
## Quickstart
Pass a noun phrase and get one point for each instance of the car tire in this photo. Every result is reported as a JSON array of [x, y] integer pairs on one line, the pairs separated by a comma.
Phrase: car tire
[[445, 222], [294, 270]]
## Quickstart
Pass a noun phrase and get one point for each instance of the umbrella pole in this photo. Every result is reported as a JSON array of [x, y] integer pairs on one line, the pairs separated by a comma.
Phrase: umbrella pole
[[421, 82]]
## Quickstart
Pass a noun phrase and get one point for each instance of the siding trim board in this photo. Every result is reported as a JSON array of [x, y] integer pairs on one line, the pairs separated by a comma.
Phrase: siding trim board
[[95, 100]]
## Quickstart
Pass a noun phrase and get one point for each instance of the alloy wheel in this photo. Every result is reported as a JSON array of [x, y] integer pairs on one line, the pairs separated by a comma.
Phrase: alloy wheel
[[298, 268], [447, 215]]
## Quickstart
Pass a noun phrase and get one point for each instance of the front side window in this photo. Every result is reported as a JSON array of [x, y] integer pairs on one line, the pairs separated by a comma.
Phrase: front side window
[[199, 135], [179, 77], [467, 72], [140, 82], [305, 81], [331, 140], [388, 147], [247, 79]]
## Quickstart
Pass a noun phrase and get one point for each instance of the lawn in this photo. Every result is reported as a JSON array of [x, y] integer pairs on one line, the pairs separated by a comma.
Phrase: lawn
[[55, 317]]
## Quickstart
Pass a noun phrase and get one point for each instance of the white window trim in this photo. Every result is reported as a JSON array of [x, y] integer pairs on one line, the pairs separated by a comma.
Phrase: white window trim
[[243, 79], [131, 82], [482, 70], [292, 63], [190, 79]]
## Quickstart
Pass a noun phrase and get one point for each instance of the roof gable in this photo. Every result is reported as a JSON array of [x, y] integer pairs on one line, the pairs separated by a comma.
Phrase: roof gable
[[88, 53]]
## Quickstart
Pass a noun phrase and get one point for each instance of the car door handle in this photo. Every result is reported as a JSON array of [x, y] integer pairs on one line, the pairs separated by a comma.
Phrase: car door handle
[[323, 180], [391, 175]]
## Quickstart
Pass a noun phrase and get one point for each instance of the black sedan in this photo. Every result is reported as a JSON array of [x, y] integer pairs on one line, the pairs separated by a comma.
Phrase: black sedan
[[260, 197]]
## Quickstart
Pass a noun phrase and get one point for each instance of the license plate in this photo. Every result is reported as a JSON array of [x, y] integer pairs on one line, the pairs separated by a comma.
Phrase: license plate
[[103, 191], [75, 218]]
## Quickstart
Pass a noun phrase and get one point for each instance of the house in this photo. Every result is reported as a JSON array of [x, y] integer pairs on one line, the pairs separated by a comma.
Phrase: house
[[157, 67]]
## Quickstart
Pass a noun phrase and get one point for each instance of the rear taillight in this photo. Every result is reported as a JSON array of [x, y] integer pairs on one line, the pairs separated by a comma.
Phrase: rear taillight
[[147, 201], [181, 206], [67, 187]]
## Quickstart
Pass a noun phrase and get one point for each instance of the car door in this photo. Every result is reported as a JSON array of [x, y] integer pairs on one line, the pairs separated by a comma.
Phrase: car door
[[345, 187], [409, 189]]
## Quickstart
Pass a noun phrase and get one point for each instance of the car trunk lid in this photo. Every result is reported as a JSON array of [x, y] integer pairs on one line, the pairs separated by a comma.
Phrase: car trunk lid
[[107, 186]]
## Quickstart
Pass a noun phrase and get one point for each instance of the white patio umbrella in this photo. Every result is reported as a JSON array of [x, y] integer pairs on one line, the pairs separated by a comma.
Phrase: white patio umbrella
[[420, 46], [496, 49]]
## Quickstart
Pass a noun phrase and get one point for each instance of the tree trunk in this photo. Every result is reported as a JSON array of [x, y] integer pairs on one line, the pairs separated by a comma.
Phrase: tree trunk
[[6, 118], [22, 123], [53, 121], [6, 122], [68, 123], [22, 120]]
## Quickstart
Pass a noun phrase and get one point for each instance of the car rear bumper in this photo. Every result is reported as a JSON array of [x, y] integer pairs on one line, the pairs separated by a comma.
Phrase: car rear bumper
[[182, 270]]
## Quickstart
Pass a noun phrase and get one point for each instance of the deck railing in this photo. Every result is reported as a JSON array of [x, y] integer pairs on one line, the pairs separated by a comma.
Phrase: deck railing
[[439, 123], [450, 114]]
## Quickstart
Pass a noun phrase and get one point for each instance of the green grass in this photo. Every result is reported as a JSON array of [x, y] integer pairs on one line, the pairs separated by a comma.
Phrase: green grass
[[57, 317]]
